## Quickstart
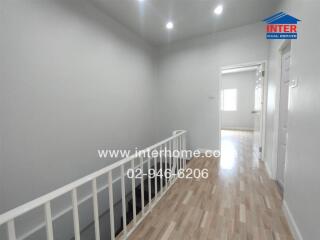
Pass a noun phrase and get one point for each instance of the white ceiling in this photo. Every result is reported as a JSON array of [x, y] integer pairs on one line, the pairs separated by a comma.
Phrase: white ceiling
[[190, 17]]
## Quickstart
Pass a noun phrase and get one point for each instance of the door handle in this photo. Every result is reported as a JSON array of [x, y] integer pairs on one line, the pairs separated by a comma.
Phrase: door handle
[[254, 112]]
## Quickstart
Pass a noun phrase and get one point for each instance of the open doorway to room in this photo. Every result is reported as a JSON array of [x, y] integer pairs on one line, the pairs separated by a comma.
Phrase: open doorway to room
[[242, 110]]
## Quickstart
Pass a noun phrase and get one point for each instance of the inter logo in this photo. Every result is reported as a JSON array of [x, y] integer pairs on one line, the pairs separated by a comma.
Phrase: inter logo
[[281, 26]]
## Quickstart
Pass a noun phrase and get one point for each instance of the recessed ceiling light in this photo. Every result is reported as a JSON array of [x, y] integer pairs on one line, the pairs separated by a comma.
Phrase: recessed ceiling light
[[169, 25], [140, 0], [218, 10]]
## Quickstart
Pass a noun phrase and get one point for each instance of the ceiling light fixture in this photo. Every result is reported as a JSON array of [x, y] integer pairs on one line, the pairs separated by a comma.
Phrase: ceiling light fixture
[[218, 10], [169, 25]]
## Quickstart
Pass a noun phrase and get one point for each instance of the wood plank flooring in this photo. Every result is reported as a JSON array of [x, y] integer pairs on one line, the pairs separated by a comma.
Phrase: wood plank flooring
[[237, 201]]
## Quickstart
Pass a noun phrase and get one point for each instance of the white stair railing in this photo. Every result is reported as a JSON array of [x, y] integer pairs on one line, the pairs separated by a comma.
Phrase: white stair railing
[[177, 143]]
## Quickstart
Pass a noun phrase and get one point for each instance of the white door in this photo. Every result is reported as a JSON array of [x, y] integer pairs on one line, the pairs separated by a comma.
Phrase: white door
[[257, 108], [283, 115]]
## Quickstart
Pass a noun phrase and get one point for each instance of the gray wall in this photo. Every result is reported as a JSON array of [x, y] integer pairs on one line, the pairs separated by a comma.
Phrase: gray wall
[[189, 80], [244, 82], [302, 178], [72, 81]]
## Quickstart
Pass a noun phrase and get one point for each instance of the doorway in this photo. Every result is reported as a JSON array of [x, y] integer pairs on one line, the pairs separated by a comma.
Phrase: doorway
[[242, 102], [283, 114]]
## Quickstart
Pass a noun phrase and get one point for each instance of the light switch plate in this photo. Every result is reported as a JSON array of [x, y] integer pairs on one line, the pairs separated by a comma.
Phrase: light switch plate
[[294, 83]]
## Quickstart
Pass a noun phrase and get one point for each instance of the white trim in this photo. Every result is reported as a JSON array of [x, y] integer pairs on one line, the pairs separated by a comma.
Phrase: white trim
[[239, 69], [237, 128], [219, 105], [292, 223], [264, 110], [243, 65]]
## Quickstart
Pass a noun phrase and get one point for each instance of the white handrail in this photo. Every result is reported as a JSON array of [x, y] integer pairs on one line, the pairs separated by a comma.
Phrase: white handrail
[[18, 211], [9, 217]]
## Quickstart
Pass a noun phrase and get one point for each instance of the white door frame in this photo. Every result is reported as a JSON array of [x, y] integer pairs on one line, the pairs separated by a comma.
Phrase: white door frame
[[264, 103], [283, 46]]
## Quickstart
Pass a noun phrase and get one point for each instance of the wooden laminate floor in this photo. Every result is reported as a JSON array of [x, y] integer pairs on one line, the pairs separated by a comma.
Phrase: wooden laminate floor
[[237, 201]]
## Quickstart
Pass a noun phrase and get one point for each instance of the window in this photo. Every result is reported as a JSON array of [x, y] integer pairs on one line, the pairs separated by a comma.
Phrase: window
[[229, 99]]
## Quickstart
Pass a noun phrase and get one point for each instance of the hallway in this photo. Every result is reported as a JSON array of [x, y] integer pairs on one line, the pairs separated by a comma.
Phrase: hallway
[[87, 86], [237, 201]]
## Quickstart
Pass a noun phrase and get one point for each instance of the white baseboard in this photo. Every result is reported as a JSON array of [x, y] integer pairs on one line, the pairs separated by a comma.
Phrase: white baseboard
[[292, 223], [237, 128]]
